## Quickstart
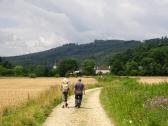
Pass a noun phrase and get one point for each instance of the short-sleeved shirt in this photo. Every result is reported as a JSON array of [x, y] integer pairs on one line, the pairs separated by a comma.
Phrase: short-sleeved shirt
[[79, 87], [65, 87]]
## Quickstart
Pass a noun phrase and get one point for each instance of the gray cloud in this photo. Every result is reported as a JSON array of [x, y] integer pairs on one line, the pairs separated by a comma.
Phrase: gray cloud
[[35, 25]]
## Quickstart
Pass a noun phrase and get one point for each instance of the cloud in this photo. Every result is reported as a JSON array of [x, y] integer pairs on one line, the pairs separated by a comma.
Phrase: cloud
[[35, 25]]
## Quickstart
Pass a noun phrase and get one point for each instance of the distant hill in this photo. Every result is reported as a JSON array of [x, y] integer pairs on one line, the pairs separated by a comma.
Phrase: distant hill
[[149, 59], [99, 50]]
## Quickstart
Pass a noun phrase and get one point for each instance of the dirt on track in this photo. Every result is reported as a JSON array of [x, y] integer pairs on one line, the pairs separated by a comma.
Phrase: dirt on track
[[90, 114]]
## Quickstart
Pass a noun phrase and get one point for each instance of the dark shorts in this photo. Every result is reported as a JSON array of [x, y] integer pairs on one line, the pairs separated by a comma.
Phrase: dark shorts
[[65, 96], [78, 97]]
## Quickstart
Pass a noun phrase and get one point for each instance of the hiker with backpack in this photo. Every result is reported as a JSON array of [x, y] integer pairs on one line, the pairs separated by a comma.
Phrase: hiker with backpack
[[65, 88], [79, 90]]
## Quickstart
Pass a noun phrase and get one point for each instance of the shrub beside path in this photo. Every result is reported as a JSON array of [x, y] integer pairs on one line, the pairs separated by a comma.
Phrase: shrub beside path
[[91, 112]]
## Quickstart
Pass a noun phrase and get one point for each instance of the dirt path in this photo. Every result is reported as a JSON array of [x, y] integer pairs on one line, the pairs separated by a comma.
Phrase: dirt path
[[90, 114]]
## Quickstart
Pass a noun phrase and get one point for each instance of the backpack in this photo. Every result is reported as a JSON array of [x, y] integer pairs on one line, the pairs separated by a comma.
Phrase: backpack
[[65, 87]]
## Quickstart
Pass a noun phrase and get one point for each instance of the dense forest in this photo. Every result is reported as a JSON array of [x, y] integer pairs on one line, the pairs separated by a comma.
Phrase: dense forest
[[150, 58], [99, 50]]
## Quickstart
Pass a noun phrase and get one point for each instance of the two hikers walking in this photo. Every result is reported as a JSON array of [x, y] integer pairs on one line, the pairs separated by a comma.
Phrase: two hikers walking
[[79, 90]]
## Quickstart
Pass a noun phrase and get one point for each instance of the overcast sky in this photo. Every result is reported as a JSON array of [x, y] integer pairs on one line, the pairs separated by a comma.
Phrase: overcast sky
[[34, 25]]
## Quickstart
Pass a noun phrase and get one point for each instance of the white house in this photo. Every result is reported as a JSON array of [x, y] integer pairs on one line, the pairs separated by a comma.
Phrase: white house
[[103, 70]]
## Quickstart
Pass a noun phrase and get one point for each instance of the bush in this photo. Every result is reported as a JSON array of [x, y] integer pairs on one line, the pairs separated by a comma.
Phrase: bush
[[67, 66], [57, 75], [67, 75], [18, 70], [32, 75]]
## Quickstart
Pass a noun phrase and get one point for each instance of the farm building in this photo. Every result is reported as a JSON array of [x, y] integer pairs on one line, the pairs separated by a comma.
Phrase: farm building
[[102, 69]]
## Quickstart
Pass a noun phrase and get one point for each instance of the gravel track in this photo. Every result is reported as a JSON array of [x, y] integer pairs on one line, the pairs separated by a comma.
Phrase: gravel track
[[91, 112]]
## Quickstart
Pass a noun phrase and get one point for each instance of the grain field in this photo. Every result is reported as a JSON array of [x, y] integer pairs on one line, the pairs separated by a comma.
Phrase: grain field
[[15, 91]]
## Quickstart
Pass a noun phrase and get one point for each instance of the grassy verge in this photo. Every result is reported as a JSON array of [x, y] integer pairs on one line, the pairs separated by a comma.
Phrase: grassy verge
[[130, 104], [34, 112]]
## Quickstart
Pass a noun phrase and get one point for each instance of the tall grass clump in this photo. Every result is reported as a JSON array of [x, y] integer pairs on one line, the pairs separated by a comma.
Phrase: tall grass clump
[[34, 112], [130, 104]]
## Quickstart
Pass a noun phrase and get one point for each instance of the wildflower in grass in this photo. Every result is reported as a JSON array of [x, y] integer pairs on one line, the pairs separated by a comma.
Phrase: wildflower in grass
[[159, 100], [130, 121]]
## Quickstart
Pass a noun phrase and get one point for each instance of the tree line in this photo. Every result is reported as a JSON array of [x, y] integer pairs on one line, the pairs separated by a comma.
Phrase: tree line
[[66, 67], [150, 58]]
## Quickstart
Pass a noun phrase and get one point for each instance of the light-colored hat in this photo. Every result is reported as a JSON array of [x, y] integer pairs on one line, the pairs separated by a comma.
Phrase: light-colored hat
[[65, 80]]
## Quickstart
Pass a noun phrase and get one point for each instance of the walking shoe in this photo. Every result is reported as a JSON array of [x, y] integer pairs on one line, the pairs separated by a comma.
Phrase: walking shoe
[[62, 106], [66, 105]]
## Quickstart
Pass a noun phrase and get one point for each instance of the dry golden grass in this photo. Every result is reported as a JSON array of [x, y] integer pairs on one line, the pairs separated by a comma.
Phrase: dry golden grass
[[153, 80], [14, 91]]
